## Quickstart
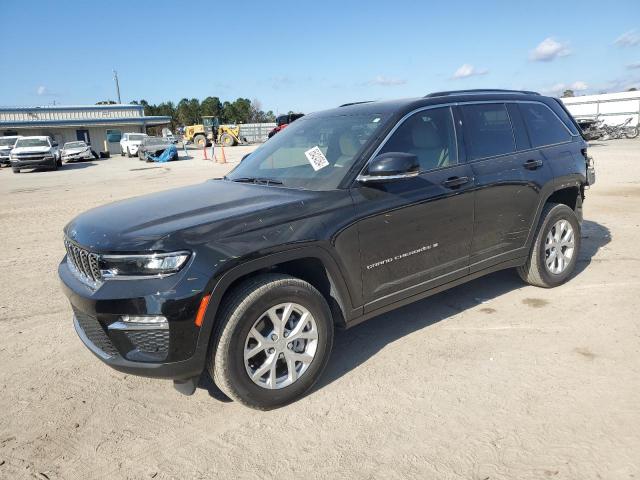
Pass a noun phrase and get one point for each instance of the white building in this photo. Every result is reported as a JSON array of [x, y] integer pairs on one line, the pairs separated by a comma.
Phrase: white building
[[100, 125], [613, 108]]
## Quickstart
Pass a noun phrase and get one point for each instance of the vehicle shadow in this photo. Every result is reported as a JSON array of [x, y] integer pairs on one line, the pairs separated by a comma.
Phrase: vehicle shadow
[[78, 165], [355, 346]]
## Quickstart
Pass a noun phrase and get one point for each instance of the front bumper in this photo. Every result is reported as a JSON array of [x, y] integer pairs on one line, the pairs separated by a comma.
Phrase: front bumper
[[77, 156], [49, 162], [178, 352]]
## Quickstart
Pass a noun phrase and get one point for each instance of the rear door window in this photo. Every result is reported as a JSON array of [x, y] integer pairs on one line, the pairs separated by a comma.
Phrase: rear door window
[[487, 130], [544, 127]]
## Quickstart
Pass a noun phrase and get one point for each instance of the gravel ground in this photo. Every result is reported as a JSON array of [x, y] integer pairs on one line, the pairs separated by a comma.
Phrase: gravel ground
[[490, 380]]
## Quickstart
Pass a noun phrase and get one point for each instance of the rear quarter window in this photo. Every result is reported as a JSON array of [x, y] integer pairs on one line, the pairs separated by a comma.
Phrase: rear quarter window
[[544, 127]]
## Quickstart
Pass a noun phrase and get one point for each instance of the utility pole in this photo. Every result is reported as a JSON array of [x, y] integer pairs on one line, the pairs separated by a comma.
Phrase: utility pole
[[115, 77]]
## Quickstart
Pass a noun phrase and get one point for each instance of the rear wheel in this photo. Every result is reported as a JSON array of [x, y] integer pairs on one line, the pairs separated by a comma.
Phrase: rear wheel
[[555, 249], [273, 341]]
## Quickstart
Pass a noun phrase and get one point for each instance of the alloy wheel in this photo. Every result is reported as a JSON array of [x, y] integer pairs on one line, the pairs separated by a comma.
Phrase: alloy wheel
[[280, 346], [559, 247]]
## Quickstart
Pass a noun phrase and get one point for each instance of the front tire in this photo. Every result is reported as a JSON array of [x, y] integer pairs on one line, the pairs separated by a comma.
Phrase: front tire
[[15, 170], [632, 132], [129, 153], [273, 341], [555, 249]]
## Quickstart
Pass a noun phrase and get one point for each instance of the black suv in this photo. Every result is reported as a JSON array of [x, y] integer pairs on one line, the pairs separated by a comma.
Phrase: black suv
[[345, 215]]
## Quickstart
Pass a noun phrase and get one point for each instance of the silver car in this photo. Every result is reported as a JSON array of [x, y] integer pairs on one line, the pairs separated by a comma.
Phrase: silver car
[[74, 151]]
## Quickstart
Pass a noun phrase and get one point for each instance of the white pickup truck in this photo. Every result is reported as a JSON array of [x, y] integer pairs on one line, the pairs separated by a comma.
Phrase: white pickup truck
[[130, 142]]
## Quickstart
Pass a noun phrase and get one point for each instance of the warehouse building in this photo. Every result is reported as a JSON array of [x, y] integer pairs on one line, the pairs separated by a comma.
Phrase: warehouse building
[[613, 108], [101, 126]]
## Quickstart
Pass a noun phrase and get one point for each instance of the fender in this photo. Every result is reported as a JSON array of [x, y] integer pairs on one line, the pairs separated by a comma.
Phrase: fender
[[219, 285]]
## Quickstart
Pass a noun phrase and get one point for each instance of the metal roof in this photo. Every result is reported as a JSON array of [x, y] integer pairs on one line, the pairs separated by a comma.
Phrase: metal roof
[[118, 106], [151, 120]]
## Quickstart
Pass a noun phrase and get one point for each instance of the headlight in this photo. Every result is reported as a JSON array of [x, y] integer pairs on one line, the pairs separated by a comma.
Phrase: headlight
[[146, 265]]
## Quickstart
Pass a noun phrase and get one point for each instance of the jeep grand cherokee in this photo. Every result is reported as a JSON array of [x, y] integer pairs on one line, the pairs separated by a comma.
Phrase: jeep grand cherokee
[[345, 215]]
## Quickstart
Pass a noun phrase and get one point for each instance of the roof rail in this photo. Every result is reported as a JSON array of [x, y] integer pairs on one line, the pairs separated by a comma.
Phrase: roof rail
[[355, 103], [480, 90]]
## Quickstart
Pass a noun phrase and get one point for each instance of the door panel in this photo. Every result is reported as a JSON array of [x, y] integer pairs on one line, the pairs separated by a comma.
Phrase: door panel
[[507, 197], [415, 234]]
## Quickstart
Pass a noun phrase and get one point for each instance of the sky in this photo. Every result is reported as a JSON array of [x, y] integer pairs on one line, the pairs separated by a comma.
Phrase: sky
[[311, 55]]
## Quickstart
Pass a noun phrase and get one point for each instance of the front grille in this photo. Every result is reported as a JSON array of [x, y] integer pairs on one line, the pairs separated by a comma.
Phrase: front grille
[[83, 263], [94, 332]]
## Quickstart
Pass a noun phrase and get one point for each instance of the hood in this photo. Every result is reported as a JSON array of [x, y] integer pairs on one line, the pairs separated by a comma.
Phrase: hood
[[6, 147], [19, 150], [194, 214]]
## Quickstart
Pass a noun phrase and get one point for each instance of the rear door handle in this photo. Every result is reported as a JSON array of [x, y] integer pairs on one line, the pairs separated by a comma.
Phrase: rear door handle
[[532, 164], [454, 182]]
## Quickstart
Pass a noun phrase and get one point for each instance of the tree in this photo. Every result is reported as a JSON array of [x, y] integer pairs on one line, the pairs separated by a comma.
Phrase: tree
[[632, 89], [211, 107], [568, 93]]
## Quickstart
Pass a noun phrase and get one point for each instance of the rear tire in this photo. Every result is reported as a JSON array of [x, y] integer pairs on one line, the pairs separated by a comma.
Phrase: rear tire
[[551, 262], [15, 170], [245, 311]]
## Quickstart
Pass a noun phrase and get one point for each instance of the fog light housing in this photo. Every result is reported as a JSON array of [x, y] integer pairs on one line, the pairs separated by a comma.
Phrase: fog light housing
[[141, 322]]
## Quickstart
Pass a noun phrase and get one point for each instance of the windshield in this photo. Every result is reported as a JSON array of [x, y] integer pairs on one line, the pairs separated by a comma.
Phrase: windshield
[[32, 142], [136, 138], [74, 145], [314, 153], [7, 141]]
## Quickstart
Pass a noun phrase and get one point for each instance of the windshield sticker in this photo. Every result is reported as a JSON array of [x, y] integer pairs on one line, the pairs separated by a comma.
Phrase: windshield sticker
[[316, 158]]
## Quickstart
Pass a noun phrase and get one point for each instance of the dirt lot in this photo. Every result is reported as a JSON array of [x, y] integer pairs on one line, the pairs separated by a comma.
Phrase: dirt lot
[[491, 380]]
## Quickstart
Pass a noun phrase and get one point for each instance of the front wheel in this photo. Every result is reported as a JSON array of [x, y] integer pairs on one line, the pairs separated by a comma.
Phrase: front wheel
[[273, 341], [15, 170], [632, 132], [227, 140], [555, 249], [129, 153]]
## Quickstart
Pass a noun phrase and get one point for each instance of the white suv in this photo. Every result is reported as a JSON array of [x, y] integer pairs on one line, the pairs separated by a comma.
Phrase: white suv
[[130, 142]]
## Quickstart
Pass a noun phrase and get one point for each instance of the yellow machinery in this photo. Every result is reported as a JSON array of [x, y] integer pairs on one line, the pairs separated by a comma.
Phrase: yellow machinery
[[210, 130]]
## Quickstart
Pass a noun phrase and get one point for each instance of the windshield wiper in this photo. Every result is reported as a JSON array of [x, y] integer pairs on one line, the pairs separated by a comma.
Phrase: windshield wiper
[[260, 180]]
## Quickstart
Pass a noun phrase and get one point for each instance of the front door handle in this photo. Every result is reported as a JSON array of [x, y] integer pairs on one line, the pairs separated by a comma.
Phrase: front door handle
[[532, 164], [454, 182]]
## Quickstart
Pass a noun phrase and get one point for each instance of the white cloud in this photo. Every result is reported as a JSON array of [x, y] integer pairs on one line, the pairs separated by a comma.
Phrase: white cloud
[[558, 88], [633, 66], [628, 39], [548, 50], [43, 91], [467, 70], [387, 81]]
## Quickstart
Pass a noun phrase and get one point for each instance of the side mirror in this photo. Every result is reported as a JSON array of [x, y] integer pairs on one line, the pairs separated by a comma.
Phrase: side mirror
[[389, 167], [245, 156]]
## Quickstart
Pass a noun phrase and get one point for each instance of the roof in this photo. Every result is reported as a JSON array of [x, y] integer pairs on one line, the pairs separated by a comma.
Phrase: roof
[[96, 122], [405, 105], [56, 108]]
